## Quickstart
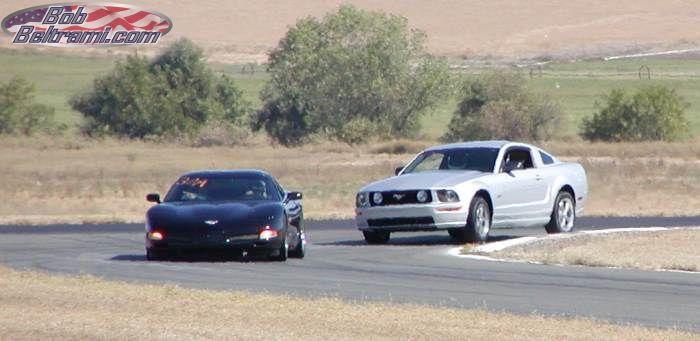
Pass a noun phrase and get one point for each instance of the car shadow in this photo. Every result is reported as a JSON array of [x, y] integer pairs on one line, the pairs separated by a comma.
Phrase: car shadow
[[421, 240], [196, 257]]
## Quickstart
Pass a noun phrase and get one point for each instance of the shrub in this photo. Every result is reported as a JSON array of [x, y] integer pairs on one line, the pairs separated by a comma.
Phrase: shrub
[[174, 93], [499, 106], [351, 76], [19, 113], [653, 113]]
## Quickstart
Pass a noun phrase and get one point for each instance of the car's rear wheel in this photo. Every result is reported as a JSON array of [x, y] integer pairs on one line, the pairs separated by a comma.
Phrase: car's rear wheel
[[299, 251], [563, 214], [478, 223], [376, 237]]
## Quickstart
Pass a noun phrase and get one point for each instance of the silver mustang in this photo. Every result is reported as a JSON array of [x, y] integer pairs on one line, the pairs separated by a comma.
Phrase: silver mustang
[[468, 188]]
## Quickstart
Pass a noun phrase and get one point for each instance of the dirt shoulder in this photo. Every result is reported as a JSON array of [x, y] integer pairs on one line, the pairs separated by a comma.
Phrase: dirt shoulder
[[41, 306]]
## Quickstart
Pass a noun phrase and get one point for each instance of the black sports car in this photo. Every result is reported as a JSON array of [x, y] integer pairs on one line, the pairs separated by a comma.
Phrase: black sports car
[[244, 211]]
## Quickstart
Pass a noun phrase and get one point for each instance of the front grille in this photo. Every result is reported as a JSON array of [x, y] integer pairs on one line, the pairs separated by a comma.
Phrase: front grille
[[400, 198], [409, 221]]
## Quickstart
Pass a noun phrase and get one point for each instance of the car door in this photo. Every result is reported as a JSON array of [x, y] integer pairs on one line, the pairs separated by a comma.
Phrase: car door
[[518, 192], [546, 175]]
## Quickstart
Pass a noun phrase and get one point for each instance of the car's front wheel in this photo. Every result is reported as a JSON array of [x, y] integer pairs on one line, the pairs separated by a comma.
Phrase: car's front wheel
[[478, 223], [563, 214], [282, 253], [376, 237]]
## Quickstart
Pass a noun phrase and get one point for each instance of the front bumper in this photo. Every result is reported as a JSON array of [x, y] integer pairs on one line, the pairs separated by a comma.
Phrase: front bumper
[[246, 243], [415, 217]]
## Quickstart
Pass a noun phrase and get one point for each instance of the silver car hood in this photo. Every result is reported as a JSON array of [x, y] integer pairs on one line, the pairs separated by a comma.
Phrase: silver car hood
[[424, 180]]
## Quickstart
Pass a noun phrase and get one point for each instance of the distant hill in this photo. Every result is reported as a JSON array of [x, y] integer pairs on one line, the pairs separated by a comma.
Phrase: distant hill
[[241, 31]]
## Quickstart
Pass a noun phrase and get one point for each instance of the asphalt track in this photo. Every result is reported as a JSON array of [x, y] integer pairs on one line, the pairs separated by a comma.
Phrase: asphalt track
[[413, 268]]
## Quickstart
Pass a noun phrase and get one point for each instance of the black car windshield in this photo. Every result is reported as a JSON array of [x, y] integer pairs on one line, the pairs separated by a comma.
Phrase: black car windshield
[[223, 188], [477, 159]]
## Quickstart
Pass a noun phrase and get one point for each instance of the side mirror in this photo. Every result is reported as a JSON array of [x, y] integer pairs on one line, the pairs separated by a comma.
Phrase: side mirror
[[294, 195], [512, 165], [153, 197], [398, 170]]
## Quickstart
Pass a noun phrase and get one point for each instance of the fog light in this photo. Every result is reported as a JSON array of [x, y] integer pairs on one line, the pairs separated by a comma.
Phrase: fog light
[[377, 198], [156, 235], [267, 233], [422, 196]]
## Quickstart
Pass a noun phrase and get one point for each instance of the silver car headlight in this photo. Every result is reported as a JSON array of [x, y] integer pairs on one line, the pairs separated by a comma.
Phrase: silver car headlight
[[362, 199], [422, 196], [377, 198], [447, 195]]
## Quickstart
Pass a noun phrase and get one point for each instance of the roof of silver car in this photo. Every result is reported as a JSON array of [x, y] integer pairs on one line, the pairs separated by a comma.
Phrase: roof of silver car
[[473, 144]]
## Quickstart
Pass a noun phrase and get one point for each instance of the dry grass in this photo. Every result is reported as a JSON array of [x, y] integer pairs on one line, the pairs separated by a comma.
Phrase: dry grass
[[400, 147], [642, 187], [455, 28], [56, 180], [40, 306], [685, 150], [72, 180], [670, 250]]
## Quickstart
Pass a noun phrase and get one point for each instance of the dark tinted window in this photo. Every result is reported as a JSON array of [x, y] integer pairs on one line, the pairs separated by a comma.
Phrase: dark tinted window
[[223, 188], [546, 158], [479, 159], [518, 156]]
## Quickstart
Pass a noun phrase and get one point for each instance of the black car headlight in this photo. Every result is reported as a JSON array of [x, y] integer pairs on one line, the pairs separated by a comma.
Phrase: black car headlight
[[362, 199], [447, 195]]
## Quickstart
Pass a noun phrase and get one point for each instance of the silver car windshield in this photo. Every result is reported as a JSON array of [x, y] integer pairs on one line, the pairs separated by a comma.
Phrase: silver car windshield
[[476, 159]]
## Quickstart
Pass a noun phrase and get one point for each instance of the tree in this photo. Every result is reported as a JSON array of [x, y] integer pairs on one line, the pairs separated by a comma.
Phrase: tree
[[19, 112], [498, 105], [174, 93], [653, 113], [351, 76]]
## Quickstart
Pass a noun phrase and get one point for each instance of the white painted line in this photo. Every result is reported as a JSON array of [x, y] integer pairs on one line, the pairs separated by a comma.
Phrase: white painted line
[[500, 245], [457, 252]]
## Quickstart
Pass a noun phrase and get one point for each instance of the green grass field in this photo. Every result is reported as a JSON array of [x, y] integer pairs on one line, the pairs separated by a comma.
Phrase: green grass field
[[576, 86]]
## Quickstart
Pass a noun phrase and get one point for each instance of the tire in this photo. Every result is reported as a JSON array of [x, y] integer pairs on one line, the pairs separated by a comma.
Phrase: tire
[[376, 237], [563, 214], [478, 223], [281, 254], [300, 250], [152, 255]]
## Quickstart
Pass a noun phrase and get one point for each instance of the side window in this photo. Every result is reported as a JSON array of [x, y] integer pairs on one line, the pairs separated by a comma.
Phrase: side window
[[546, 158], [279, 188], [519, 156]]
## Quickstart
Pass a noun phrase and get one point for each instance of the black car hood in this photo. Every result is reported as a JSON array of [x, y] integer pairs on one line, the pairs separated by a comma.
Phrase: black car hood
[[232, 218]]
